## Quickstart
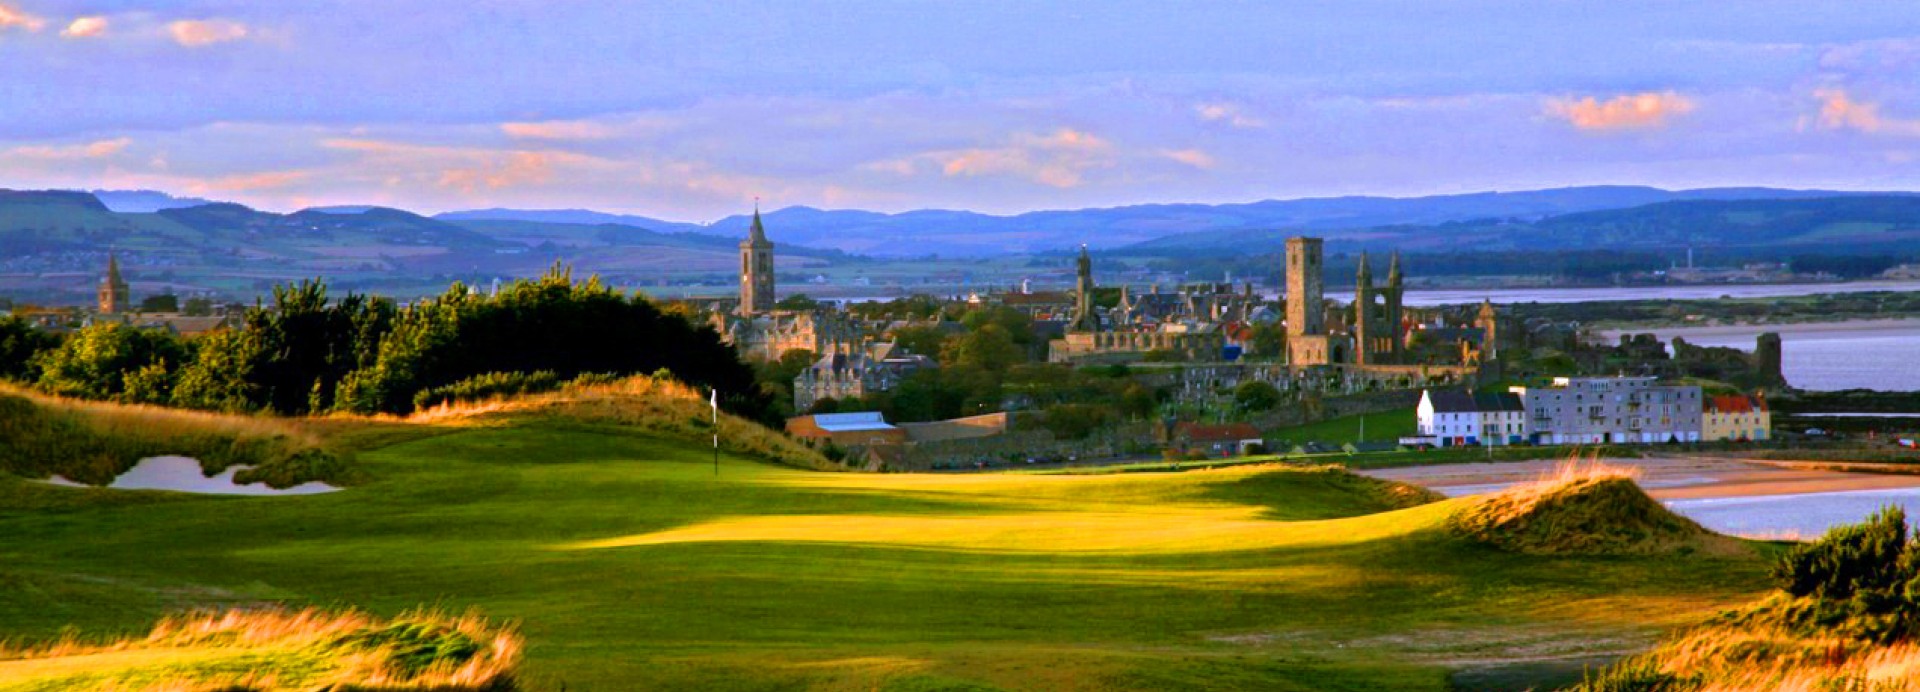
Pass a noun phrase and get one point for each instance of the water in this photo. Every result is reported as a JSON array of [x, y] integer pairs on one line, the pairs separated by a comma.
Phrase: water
[[182, 474], [1828, 357], [1500, 296], [1801, 516]]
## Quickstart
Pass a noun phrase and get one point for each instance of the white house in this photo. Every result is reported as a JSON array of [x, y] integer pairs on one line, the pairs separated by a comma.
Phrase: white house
[[1449, 418]]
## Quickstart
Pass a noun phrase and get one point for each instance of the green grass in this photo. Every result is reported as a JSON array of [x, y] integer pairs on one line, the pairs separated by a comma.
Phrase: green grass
[[629, 564], [1384, 426]]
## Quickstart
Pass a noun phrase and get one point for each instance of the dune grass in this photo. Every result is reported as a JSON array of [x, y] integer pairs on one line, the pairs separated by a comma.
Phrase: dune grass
[[630, 564], [93, 441], [271, 649]]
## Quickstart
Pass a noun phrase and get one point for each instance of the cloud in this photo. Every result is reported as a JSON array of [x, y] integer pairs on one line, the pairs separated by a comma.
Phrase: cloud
[[1056, 159], [85, 27], [1647, 109], [1229, 113], [195, 33], [1839, 111], [250, 182], [98, 149], [1192, 157], [14, 18], [558, 129]]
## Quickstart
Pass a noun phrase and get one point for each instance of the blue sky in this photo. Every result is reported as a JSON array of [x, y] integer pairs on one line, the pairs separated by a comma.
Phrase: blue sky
[[689, 110]]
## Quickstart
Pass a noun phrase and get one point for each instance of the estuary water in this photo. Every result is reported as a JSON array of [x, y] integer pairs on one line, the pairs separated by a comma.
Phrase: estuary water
[[1806, 515], [1877, 354]]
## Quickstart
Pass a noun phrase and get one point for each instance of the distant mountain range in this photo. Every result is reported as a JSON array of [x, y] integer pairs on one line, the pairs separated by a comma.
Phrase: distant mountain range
[[1154, 226]]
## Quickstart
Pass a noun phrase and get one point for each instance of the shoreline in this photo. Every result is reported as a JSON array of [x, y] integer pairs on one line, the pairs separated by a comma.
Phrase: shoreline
[[1667, 478], [1783, 328]]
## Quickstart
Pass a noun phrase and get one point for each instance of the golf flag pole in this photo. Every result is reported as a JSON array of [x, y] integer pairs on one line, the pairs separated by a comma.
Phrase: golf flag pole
[[714, 401]]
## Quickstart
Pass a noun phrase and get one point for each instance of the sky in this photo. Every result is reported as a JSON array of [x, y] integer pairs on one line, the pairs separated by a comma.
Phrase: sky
[[691, 110]]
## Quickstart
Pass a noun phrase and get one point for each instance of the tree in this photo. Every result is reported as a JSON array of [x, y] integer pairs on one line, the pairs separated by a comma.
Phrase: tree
[[1137, 401], [165, 302], [1077, 421], [989, 348], [797, 301], [20, 341], [926, 341], [96, 362], [1254, 395], [198, 307]]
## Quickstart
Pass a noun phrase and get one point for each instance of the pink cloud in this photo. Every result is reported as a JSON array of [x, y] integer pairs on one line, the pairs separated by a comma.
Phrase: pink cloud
[[1056, 159], [557, 129], [98, 149], [1192, 157], [195, 33], [1231, 114], [14, 18], [251, 182], [1645, 110], [85, 27], [1839, 111]]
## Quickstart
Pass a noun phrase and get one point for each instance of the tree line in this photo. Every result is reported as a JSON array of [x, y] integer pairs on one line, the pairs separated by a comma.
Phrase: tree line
[[308, 353]]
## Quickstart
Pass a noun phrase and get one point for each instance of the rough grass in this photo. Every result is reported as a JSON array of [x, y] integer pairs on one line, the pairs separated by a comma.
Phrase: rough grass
[[94, 442], [660, 407], [274, 650], [1583, 508], [1748, 650]]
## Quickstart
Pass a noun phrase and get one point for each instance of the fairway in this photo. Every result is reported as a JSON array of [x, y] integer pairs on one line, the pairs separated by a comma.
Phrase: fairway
[[628, 563]]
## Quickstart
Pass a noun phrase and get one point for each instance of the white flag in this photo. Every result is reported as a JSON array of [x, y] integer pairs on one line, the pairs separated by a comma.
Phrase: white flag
[[715, 400]]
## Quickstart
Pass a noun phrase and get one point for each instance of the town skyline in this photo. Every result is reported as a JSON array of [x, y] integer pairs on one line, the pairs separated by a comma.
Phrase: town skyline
[[686, 113]]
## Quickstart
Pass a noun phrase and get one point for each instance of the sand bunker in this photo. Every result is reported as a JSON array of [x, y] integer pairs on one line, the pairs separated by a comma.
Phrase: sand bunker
[[182, 474]]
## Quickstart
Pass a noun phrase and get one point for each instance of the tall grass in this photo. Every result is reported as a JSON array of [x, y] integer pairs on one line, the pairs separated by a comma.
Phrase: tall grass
[[306, 649], [94, 442], [656, 406], [1582, 506]]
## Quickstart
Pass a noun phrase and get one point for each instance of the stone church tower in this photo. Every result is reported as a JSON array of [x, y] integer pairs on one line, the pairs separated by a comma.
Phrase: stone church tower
[[1307, 342], [1084, 317], [756, 270], [114, 294]]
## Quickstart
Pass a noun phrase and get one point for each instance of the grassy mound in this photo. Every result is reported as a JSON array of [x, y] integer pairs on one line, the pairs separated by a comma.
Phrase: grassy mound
[[658, 407], [1582, 510], [94, 442], [274, 650]]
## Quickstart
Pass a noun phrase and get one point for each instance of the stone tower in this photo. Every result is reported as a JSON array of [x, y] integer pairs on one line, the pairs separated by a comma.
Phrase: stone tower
[[1489, 322], [1766, 361], [114, 294], [1306, 311], [1307, 341], [756, 269], [1395, 293], [1364, 316], [1084, 319]]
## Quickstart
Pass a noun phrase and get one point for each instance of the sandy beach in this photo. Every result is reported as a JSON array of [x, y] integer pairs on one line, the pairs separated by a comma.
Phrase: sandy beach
[[1666, 478]]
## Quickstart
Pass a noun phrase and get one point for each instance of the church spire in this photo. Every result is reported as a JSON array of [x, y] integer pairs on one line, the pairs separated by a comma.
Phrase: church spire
[[758, 233], [1366, 270], [1393, 270]]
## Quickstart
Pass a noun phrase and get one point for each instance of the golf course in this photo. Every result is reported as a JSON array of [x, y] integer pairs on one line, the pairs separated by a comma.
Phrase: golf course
[[604, 534]]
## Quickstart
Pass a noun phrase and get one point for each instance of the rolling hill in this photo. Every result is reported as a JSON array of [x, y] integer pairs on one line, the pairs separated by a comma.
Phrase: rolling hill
[[1857, 223]]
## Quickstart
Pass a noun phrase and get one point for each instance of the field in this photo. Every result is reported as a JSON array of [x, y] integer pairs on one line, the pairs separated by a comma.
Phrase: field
[[627, 562]]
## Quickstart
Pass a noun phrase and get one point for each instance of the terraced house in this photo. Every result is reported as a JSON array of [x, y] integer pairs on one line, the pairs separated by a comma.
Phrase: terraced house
[[1611, 410]]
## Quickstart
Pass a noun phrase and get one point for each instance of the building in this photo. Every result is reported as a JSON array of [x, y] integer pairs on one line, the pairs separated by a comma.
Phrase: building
[[756, 270], [1308, 342], [759, 332], [1377, 315], [843, 375], [1085, 319], [1611, 410], [1224, 440], [115, 297], [1736, 417], [847, 430], [1452, 418]]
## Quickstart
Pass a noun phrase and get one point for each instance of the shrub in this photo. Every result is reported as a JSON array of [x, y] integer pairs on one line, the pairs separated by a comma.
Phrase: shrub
[[486, 386]]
